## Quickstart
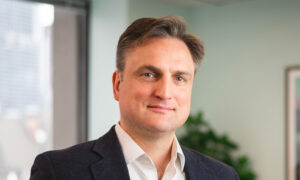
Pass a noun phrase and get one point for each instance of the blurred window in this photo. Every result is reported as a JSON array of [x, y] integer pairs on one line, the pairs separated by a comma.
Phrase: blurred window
[[42, 82]]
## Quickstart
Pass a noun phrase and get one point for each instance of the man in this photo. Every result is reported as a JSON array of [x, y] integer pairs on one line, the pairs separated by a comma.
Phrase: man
[[156, 63]]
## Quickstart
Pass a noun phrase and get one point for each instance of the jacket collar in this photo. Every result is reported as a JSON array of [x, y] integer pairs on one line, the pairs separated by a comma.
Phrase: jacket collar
[[194, 167], [112, 164]]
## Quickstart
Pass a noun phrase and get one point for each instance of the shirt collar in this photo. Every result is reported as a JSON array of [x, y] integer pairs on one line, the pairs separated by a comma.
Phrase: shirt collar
[[132, 151], [179, 153]]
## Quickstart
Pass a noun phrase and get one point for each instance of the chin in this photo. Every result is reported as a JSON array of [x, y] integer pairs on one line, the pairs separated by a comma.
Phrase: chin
[[162, 126]]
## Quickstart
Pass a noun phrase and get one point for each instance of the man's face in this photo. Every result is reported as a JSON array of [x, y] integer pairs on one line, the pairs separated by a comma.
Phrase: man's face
[[154, 92]]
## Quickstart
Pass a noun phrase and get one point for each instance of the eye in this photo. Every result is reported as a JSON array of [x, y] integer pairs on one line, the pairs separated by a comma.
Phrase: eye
[[149, 75], [179, 78]]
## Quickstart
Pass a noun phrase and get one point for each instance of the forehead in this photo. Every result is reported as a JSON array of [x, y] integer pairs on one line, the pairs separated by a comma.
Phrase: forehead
[[160, 52]]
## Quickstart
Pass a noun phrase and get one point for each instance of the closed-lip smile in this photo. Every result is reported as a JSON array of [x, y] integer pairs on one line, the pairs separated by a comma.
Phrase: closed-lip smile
[[160, 108]]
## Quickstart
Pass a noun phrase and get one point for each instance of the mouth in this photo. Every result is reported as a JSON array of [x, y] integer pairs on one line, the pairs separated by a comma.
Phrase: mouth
[[158, 108]]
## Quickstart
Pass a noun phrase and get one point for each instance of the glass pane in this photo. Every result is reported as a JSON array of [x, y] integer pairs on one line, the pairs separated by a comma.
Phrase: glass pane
[[25, 85]]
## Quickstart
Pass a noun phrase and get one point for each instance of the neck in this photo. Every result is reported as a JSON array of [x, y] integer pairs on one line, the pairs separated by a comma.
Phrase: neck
[[156, 145]]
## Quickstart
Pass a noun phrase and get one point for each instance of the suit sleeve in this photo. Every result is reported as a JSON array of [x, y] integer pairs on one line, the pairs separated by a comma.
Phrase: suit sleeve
[[42, 168], [236, 177]]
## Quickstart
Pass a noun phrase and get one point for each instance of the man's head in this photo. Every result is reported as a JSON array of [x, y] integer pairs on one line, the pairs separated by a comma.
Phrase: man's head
[[165, 27], [156, 63]]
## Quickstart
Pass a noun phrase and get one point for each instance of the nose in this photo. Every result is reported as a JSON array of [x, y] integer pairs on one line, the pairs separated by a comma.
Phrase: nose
[[163, 89]]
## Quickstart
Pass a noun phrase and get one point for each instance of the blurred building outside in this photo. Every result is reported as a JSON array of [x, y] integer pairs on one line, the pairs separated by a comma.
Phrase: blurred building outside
[[25, 85]]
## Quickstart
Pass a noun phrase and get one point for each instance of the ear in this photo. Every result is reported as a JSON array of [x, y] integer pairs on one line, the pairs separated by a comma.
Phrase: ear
[[116, 79]]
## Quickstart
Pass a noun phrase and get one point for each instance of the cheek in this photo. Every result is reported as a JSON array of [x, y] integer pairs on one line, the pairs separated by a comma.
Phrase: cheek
[[184, 97], [184, 103], [142, 93], [134, 97]]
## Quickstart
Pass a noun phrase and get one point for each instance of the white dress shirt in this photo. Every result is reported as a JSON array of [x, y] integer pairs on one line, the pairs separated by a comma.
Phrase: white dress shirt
[[140, 165]]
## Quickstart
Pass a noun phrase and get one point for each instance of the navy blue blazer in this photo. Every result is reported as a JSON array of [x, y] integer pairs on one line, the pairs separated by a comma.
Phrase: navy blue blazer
[[102, 159]]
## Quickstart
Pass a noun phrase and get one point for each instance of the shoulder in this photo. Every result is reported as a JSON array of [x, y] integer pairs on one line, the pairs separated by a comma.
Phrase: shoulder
[[75, 152], [198, 162], [86, 151], [74, 162], [64, 162], [197, 157]]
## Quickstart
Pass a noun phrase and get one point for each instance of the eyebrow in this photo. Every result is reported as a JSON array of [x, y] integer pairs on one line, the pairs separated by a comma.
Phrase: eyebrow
[[157, 70], [147, 67], [183, 73]]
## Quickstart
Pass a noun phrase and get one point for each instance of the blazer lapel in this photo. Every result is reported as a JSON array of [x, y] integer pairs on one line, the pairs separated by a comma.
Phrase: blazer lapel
[[193, 168], [112, 164]]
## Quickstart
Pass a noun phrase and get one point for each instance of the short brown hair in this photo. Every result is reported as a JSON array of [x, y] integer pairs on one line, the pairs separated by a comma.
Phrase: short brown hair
[[145, 28]]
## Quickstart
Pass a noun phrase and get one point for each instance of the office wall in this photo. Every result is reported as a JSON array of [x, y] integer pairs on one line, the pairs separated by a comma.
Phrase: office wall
[[240, 85], [108, 19], [154, 8]]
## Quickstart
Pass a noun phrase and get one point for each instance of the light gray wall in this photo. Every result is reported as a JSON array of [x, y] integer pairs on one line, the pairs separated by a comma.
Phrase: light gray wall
[[108, 20], [240, 85], [154, 8]]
